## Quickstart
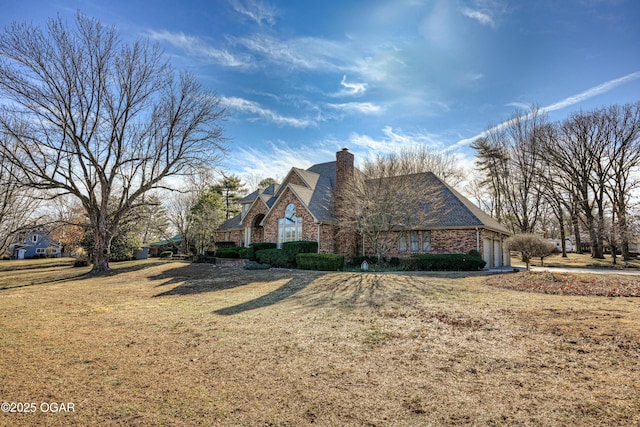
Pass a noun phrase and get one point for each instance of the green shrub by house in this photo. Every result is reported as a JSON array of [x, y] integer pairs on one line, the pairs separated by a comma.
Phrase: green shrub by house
[[258, 246], [443, 262], [275, 258], [166, 254], [233, 252], [299, 247], [321, 262]]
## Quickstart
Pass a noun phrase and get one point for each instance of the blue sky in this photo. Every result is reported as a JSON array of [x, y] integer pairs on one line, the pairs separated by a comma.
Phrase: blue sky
[[303, 79]]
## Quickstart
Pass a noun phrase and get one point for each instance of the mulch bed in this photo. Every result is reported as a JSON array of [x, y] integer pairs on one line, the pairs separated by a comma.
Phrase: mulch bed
[[569, 284]]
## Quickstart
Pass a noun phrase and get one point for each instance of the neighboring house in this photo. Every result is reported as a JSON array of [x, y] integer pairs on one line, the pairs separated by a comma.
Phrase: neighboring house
[[156, 248], [568, 244], [301, 208], [34, 243]]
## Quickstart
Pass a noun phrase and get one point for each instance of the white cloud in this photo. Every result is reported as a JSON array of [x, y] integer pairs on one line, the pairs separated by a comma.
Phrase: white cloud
[[483, 17], [255, 10], [276, 160], [590, 93], [351, 88], [357, 107], [195, 46], [392, 141], [247, 106], [567, 102]]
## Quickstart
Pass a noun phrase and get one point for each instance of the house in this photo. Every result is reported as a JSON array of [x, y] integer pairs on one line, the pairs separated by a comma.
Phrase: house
[[302, 208], [154, 249], [34, 243]]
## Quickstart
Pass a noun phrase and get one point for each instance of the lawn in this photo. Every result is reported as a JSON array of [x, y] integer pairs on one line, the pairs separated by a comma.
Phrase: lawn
[[172, 343]]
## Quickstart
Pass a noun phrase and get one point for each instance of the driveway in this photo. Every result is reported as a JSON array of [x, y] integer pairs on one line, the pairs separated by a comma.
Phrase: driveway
[[629, 272]]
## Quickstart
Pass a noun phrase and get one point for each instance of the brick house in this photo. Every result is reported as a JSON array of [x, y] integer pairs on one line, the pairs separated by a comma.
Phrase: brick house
[[301, 208]]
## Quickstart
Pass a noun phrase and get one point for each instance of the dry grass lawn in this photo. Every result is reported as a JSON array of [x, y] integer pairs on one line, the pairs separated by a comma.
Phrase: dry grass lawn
[[169, 343]]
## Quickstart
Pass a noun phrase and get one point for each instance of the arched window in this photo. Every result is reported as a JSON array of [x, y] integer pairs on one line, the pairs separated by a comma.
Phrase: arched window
[[289, 227]]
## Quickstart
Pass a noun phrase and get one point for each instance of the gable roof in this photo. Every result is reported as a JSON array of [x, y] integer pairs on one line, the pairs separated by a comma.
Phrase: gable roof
[[317, 193], [450, 209]]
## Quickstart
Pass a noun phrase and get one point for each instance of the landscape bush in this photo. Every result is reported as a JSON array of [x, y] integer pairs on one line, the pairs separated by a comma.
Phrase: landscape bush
[[275, 258], [205, 258], [166, 254], [81, 262], [321, 262], [291, 249], [252, 265], [443, 262], [258, 246], [243, 253], [229, 252], [224, 245]]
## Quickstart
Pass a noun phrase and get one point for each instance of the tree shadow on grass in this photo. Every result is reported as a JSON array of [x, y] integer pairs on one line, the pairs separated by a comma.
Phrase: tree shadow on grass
[[199, 278], [70, 274]]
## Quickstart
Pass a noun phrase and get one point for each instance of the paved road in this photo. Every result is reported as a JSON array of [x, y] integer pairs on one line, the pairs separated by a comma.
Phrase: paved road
[[629, 272]]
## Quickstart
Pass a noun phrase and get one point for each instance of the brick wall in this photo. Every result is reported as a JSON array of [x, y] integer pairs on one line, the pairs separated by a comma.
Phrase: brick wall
[[309, 227]]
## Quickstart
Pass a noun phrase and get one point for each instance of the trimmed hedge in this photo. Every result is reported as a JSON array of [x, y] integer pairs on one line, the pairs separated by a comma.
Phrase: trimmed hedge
[[166, 254], [443, 262], [299, 247], [275, 258], [233, 252], [259, 246], [225, 245], [321, 262]]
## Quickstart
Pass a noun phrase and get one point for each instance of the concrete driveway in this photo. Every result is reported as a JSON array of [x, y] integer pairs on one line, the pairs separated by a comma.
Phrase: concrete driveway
[[627, 272]]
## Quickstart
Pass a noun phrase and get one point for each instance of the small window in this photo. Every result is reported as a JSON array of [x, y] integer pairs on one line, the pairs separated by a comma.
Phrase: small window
[[40, 250], [426, 241], [415, 242], [402, 243], [34, 238]]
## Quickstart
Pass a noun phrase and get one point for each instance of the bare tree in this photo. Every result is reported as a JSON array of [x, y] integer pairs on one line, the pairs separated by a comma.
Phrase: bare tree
[[17, 203], [509, 157], [418, 159], [383, 201], [623, 158], [100, 119]]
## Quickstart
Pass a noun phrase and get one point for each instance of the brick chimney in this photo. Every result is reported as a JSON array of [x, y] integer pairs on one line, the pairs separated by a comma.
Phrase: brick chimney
[[344, 169]]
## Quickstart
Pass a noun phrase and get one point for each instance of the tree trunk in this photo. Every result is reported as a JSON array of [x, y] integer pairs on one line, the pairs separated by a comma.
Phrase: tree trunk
[[576, 232], [101, 252]]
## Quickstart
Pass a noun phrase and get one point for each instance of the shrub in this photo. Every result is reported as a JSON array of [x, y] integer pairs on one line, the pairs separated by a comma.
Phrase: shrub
[[291, 249], [530, 246], [258, 246], [232, 252], [274, 257], [205, 259], [322, 262], [224, 245], [447, 262], [243, 253], [474, 253], [252, 265], [81, 262], [166, 254]]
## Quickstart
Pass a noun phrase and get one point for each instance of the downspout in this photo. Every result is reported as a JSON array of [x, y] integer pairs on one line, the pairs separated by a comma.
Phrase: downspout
[[318, 237], [477, 239]]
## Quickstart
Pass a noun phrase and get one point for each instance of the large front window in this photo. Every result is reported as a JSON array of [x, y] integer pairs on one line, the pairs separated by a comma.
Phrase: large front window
[[289, 227]]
